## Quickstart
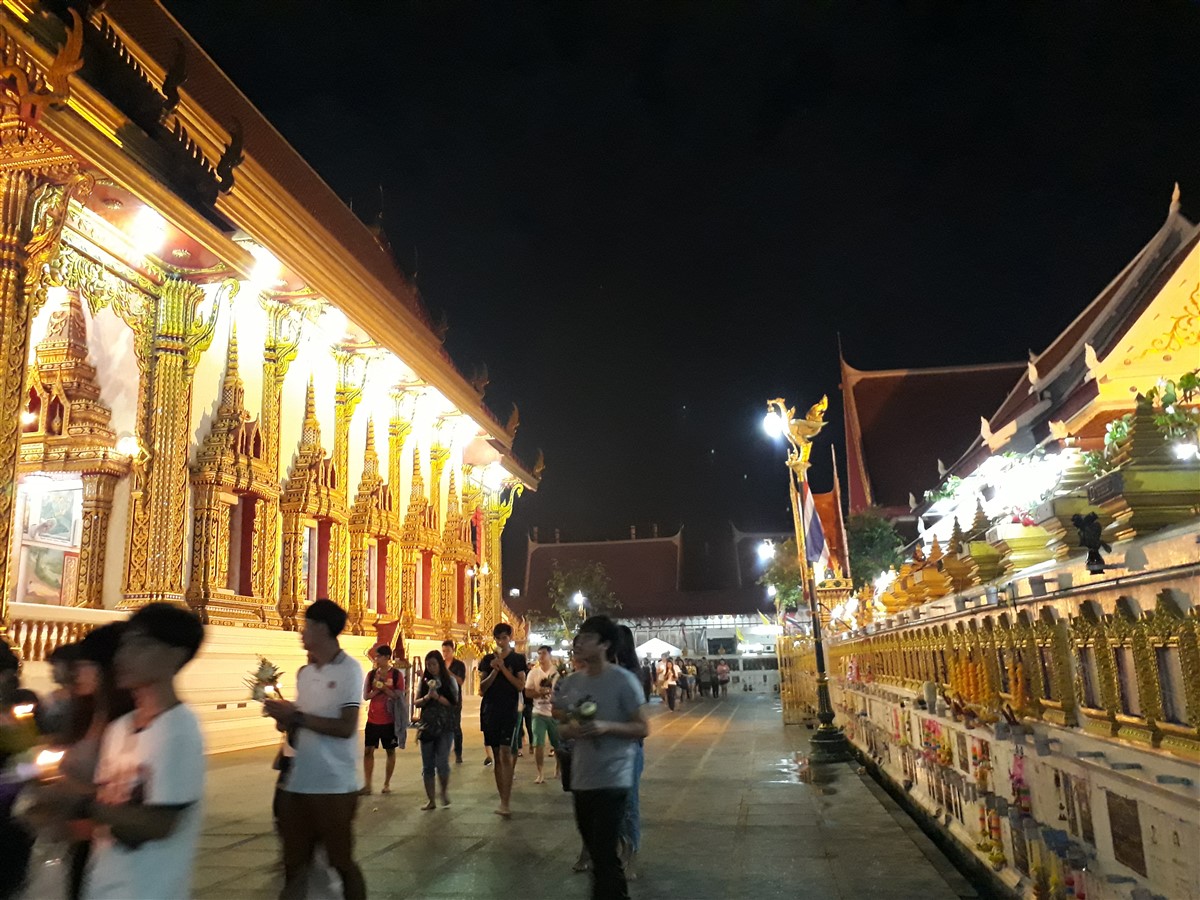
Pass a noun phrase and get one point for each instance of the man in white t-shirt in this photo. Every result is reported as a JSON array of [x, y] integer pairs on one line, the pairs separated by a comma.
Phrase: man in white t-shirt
[[319, 798], [539, 688], [146, 813]]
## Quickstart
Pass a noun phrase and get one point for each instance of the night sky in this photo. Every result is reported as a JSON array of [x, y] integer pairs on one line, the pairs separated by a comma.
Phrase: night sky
[[648, 218]]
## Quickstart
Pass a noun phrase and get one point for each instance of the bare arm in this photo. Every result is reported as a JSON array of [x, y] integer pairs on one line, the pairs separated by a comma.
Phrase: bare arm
[[635, 729]]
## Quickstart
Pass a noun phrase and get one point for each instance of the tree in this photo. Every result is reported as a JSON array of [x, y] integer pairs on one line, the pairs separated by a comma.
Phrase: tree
[[874, 546], [589, 579], [783, 573]]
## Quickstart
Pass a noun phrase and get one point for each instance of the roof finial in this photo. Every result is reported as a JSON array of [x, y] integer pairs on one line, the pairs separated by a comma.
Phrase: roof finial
[[1175, 198]]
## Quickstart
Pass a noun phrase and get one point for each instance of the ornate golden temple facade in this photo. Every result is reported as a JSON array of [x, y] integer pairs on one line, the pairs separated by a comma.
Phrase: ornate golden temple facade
[[216, 387], [1028, 679]]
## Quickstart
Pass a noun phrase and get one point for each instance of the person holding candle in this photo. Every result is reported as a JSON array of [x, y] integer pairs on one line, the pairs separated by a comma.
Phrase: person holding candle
[[601, 710], [18, 732], [502, 677], [438, 699], [382, 686], [320, 797], [146, 813]]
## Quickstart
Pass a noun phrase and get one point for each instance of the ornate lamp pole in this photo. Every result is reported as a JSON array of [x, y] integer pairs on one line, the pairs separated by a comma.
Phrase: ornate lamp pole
[[828, 744]]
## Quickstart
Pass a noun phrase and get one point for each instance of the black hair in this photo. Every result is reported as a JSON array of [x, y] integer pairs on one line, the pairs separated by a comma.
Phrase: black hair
[[603, 627], [64, 654], [383, 650], [171, 625], [449, 644], [449, 688], [99, 647], [9, 661], [328, 614], [624, 651], [502, 628], [546, 647]]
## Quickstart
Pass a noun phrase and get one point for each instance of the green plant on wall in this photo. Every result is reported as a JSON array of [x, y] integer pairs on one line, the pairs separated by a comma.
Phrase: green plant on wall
[[874, 546], [783, 574]]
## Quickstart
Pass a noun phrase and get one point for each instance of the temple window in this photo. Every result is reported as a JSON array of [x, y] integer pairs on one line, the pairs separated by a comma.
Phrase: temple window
[[1089, 676], [1049, 688], [33, 413], [1131, 702], [320, 560], [241, 546], [426, 584], [1170, 679]]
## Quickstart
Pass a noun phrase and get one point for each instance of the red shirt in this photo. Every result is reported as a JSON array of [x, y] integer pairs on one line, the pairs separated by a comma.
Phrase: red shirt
[[378, 712]]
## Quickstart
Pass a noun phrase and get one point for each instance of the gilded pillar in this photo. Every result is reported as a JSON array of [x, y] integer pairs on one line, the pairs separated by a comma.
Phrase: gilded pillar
[[210, 546], [177, 335], [352, 374], [32, 213], [279, 349], [98, 488], [399, 428], [438, 455]]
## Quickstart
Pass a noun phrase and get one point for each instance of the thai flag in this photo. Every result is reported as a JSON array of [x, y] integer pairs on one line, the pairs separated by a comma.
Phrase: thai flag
[[814, 534]]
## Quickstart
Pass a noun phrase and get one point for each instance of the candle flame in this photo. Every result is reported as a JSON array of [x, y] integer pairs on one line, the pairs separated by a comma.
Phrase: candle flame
[[23, 710], [48, 758]]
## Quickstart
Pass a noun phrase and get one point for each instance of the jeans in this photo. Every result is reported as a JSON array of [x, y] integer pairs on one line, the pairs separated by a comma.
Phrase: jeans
[[435, 755], [598, 815], [670, 696], [631, 823], [458, 741]]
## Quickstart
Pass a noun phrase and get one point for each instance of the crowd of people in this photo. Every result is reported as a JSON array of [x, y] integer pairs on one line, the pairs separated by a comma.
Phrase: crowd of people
[[126, 796], [678, 679]]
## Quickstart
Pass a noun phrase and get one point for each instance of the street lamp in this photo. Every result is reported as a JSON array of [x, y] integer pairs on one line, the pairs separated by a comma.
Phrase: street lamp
[[579, 600], [828, 744], [766, 551]]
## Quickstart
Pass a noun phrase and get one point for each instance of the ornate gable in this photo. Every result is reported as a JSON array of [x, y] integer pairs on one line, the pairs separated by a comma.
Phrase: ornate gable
[[420, 523], [312, 488], [372, 510], [231, 456]]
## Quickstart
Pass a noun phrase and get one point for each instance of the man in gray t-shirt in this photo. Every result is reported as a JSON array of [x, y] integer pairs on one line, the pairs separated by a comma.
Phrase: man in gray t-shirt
[[601, 708]]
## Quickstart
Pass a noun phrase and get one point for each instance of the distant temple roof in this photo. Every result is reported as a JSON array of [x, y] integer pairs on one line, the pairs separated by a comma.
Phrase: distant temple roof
[[901, 422], [643, 573]]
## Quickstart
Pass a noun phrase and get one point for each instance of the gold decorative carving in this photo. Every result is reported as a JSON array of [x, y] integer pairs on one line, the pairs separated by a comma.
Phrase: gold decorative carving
[[31, 221], [312, 492], [69, 432], [371, 517], [1184, 331], [177, 334], [27, 88], [230, 471]]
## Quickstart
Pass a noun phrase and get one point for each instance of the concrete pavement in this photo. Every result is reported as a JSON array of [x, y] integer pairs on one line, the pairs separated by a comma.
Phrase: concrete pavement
[[724, 813]]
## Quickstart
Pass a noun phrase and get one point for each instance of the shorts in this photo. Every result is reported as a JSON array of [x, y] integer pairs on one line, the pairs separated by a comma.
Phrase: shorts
[[380, 734], [543, 727], [498, 727]]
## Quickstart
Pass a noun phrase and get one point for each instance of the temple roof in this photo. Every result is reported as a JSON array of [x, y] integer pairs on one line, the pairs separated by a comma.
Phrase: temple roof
[[901, 422], [636, 568], [1055, 384], [158, 33], [643, 574]]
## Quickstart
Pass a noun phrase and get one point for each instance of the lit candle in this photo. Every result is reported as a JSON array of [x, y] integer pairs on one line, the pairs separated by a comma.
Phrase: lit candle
[[47, 763], [23, 710]]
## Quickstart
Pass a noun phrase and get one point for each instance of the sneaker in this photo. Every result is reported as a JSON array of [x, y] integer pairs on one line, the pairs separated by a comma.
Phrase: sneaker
[[486, 763]]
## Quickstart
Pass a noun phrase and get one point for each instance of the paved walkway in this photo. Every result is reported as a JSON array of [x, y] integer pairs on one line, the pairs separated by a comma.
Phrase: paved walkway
[[724, 815]]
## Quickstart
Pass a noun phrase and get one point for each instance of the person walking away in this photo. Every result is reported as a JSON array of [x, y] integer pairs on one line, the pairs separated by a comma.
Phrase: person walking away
[[320, 796], [648, 678], [601, 708], [723, 678], [502, 677], [379, 691], [625, 656], [145, 815], [668, 678], [458, 669], [438, 699], [539, 688]]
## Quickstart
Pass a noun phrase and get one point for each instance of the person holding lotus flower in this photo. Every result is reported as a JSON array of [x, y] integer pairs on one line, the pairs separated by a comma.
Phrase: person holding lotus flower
[[600, 708]]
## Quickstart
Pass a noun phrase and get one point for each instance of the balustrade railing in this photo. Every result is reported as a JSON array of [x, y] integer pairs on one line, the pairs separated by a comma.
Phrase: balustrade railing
[[36, 630]]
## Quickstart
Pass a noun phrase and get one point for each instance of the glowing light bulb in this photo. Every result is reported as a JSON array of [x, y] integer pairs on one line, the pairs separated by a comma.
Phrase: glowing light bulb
[[773, 425], [149, 231], [766, 551]]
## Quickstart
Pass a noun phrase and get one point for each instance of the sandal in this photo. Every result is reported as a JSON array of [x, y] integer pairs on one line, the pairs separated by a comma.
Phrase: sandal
[[387, 789], [429, 804]]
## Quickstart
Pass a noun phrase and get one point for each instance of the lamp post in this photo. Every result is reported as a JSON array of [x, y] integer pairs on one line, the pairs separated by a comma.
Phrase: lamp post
[[828, 744]]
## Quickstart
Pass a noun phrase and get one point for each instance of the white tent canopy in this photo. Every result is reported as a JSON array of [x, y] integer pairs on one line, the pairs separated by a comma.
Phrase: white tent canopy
[[655, 648]]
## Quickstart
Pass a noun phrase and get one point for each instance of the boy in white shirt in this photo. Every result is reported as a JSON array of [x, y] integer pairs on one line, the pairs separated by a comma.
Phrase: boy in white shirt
[[146, 813], [320, 797], [539, 688]]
